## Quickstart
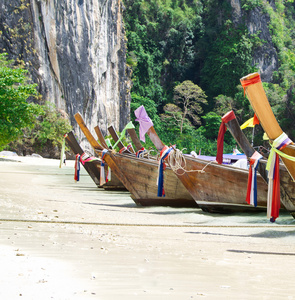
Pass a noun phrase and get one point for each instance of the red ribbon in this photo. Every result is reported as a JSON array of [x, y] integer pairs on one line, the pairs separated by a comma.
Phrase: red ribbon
[[255, 120], [276, 199], [247, 82], [122, 150], [77, 168], [248, 197], [222, 129]]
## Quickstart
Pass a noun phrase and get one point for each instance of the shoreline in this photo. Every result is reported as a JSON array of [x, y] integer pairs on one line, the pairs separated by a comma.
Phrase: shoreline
[[66, 240]]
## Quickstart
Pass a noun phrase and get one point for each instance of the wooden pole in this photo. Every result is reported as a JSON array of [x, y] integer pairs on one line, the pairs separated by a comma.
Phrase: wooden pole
[[135, 139], [155, 138], [93, 142]]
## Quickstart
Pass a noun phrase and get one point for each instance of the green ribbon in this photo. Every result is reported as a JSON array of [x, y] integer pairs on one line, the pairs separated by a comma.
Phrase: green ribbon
[[128, 126], [108, 142]]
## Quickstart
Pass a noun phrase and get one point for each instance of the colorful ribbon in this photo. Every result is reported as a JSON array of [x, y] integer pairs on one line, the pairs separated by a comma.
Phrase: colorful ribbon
[[109, 144], [83, 158], [247, 82], [145, 123], [128, 126], [122, 150], [162, 166], [140, 152], [222, 129], [251, 122], [103, 179], [77, 168], [273, 168], [251, 197]]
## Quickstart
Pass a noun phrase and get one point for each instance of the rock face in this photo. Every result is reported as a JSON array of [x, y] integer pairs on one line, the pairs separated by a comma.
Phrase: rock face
[[256, 20], [75, 51]]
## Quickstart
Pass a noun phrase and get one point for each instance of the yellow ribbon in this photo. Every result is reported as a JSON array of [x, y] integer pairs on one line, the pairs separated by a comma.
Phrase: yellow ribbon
[[275, 144]]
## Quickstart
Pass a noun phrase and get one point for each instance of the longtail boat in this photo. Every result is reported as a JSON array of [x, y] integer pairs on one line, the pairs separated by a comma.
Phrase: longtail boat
[[139, 175], [93, 167], [254, 90], [282, 148], [287, 187], [215, 187]]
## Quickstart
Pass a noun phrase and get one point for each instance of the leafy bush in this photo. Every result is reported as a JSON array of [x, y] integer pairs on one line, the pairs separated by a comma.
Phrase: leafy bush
[[16, 112], [47, 136]]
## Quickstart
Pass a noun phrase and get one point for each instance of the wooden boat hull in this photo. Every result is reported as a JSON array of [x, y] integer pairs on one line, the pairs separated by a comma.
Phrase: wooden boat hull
[[221, 188], [93, 168], [140, 176], [287, 186]]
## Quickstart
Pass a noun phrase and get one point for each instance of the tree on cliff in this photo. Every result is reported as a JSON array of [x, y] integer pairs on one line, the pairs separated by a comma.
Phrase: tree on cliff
[[16, 113], [189, 97]]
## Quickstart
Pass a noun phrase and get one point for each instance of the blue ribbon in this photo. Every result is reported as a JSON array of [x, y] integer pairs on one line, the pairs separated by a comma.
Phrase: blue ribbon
[[161, 192]]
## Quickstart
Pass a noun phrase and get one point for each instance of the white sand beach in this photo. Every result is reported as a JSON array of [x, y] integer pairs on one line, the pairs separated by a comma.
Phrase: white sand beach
[[66, 240]]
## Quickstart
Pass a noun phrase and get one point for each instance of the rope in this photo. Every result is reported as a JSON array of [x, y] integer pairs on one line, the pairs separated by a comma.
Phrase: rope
[[143, 225], [177, 162]]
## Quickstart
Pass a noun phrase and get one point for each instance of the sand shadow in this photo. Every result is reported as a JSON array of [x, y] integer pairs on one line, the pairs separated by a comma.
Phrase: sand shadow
[[267, 234], [260, 252]]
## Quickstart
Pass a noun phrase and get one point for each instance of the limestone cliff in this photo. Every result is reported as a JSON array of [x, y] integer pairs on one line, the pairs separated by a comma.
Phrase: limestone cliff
[[257, 20], [75, 51]]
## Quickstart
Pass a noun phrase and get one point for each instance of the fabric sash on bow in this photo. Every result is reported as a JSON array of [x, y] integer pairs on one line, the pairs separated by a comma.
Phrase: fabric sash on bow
[[103, 177], [140, 152], [83, 158], [162, 166], [145, 123], [273, 168], [251, 197], [222, 129], [251, 81], [122, 150], [77, 168], [251, 122], [128, 126]]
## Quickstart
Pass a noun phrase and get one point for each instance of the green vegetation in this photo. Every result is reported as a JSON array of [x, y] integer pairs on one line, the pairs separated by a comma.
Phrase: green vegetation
[[23, 123], [16, 113], [171, 42]]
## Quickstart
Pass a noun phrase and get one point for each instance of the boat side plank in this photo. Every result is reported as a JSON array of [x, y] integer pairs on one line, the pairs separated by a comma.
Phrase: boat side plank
[[135, 139]]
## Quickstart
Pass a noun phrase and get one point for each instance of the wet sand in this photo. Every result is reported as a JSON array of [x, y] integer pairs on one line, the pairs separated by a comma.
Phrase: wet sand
[[65, 240]]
